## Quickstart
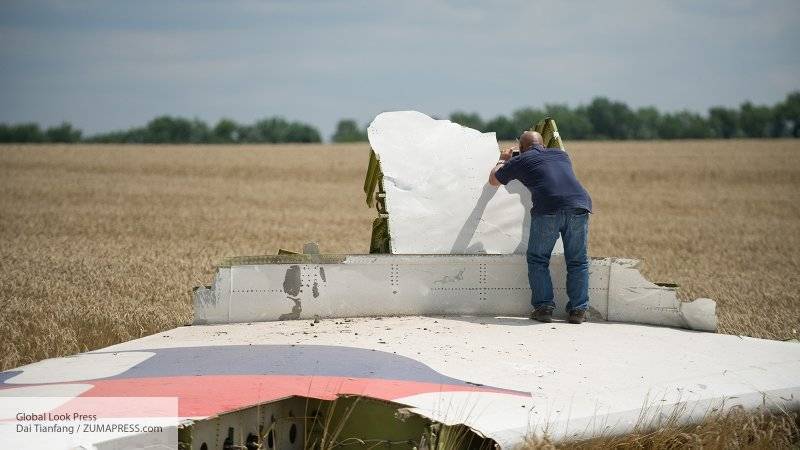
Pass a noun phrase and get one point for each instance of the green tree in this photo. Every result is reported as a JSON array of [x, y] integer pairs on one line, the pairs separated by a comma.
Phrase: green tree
[[302, 133], [131, 136], [244, 133], [200, 133], [270, 130], [168, 130], [756, 120], [611, 120], [504, 128], [724, 122], [278, 130], [347, 130], [683, 125], [63, 133], [787, 116], [471, 120], [226, 131], [21, 133], [136, 135], [572, 123], [648, 120], [525, 118]]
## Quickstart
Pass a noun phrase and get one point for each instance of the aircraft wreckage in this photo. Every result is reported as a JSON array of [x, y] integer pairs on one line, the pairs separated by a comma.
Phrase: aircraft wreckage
[[423, 343]]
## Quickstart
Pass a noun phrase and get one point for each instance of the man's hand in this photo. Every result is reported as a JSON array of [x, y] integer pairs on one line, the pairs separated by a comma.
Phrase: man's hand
[[505, 155]]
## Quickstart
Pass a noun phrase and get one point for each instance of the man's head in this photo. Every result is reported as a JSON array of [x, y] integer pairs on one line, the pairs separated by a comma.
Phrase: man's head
[[528, 139]]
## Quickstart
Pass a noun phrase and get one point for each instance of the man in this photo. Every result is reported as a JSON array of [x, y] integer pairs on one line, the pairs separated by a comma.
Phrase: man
[[560, 206]]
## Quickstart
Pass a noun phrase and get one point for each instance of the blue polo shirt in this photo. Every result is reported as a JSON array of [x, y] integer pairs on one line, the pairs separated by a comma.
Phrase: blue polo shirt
[[548, 174]]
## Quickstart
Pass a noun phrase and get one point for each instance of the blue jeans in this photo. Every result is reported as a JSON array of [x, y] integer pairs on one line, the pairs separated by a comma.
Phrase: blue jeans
[[573, 225]]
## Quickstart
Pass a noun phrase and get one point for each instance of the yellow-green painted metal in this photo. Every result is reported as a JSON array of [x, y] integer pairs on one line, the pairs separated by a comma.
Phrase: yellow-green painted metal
[[362, 422], [374, 178], [549, 131], [284, 258], [380, 241], [376, 197], [349, 421]]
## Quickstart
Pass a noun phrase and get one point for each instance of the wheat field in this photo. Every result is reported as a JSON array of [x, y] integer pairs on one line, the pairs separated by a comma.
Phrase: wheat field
[[101, 244]]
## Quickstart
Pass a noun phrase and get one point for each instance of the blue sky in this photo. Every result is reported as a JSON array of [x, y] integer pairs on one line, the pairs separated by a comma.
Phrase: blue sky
[[105, 64]]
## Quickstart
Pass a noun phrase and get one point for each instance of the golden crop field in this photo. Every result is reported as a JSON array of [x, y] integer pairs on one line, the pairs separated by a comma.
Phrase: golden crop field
[[102, 244]]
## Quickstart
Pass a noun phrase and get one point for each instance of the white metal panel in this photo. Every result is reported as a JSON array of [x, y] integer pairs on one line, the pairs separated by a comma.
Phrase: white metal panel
[[211, 305], [394, 285], [72, 368], [583, 379], [435, 174], [372, 285], [637, 300]]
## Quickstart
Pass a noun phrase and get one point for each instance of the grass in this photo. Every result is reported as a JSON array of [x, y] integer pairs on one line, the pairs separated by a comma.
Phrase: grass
[[720, 218], [732, 429], [100, 244]]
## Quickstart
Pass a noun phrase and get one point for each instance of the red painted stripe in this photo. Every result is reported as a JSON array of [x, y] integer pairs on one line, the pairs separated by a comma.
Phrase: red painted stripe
[[209, 395]]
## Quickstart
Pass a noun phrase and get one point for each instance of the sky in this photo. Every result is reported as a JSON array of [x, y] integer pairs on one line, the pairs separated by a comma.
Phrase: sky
[[107, 64]]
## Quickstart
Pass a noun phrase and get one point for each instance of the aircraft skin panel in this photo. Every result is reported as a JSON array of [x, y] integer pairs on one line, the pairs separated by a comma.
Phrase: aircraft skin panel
[[242, 391], [435, 177], [504, 377], [376, 285]]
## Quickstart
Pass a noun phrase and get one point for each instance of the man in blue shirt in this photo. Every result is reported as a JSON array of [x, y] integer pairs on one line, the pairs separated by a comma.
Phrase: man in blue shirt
[[560, 206]]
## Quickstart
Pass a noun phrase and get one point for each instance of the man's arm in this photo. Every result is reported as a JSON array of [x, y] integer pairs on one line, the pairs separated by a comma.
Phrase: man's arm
[[505, 155]]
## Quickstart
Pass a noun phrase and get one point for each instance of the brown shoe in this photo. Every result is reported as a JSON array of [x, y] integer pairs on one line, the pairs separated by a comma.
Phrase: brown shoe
[[543, 314], [577, 316]]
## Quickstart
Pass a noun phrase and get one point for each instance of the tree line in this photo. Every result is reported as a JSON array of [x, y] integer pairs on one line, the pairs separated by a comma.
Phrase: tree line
[[599, 119], [606, 119], [172, 130]]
